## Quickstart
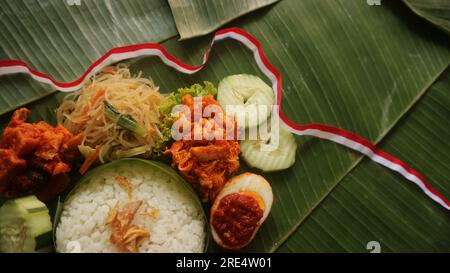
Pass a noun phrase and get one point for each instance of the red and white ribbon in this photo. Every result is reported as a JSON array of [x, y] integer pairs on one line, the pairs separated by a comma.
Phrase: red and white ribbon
[[334, 134]]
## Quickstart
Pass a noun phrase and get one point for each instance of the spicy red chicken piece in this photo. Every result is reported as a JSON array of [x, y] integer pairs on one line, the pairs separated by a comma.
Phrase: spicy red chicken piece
[[207, 162], [10, 166], [19, 136], [35, 157]]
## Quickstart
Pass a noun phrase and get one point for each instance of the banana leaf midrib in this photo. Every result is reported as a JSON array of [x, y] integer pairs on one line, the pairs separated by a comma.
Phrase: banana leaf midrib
[[432, 19], [382, 136], [222, 23]]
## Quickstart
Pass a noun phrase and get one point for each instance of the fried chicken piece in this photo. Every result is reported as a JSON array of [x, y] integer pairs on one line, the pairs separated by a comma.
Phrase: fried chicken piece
[[53, 167], [206, 163], [10, 167], [29, 179], [53, 186], [19, 136], [51, 140], [69, 150], [30, 151], [19, 116], [209, 152]]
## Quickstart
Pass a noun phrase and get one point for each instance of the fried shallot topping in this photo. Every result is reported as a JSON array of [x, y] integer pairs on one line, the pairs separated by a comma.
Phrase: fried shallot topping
[[124, 235], [151, 213], [126, 184]]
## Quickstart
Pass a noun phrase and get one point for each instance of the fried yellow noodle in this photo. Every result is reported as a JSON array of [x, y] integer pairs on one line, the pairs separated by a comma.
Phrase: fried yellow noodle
[[133, 97]]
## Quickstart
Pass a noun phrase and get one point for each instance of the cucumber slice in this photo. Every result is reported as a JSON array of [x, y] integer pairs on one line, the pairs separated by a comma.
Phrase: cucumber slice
[[280, 157], [30, 203], [25, 225], [246, 91]]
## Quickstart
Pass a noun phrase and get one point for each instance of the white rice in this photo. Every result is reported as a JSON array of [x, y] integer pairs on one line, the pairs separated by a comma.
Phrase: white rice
[[178, 227]]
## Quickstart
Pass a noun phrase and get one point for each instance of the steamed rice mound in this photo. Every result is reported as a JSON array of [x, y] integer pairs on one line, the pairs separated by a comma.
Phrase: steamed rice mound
[[179, 225]]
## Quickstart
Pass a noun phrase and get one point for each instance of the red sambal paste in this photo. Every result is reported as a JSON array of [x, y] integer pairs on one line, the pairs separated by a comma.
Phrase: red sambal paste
[[236, 219]]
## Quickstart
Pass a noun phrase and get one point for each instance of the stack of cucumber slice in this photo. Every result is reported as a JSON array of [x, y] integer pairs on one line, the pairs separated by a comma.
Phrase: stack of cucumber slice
[[25, 226], [249, 91]]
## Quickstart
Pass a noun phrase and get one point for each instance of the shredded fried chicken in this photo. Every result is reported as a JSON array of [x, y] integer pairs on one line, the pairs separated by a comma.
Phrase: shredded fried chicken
[[206, 163], [124, 235], [35, 158]]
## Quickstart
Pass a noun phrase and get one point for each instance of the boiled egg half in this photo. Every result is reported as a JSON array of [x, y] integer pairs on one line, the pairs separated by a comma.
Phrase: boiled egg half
[[239, 210]]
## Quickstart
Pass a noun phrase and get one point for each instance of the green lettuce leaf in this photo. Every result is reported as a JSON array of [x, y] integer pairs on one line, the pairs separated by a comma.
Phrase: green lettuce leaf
[[196, 90], [171, 100]]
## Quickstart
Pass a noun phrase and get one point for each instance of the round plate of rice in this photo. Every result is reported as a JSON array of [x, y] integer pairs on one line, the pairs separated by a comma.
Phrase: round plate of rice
[[131, 205]]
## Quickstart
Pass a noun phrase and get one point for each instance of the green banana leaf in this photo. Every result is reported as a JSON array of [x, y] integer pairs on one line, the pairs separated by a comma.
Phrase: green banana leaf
[[385, 200], [435, 11], [196, 17], [347, 64], [62, 40]]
